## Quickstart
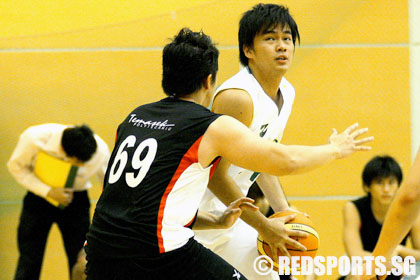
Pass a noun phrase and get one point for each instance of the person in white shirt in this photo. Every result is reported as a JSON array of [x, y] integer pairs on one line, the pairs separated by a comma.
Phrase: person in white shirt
[[77, 145], [261, 98]]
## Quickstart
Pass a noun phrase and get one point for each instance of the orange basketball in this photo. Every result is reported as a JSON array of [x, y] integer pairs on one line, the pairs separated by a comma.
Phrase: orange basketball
[[300, 222]]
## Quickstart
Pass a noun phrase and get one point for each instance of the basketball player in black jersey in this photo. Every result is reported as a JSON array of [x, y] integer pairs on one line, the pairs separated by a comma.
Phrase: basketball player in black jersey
[[164, 155]]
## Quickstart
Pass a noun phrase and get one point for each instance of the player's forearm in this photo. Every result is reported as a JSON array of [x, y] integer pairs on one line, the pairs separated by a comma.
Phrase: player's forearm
[[301, 159], [206, 220], [401, 215], [227, 191], [255, 219], [273, 191]]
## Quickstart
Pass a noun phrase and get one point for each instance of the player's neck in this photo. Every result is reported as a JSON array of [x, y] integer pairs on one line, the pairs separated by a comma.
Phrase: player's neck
[[198, 97], [268, 81]]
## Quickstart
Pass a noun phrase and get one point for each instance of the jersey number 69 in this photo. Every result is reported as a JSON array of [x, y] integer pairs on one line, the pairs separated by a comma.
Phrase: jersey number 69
[[143, 165]]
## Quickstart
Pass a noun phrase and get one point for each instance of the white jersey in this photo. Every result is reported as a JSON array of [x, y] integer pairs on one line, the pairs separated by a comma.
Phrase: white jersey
[[268, 123]]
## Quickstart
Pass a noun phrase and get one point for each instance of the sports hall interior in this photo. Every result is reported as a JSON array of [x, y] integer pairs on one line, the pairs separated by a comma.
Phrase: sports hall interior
[[92, 62]]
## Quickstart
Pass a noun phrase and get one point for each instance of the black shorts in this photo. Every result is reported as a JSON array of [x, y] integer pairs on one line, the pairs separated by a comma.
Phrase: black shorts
[[192, 261]]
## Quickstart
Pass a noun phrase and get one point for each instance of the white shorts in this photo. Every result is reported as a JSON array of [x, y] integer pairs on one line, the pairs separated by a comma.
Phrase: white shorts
[[241, 251]]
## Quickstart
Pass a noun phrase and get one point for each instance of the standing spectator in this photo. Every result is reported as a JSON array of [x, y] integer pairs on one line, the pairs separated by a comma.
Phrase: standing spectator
[[75, 145]]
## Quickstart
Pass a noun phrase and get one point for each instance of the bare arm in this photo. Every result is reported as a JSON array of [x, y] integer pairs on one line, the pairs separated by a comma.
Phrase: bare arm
[[402, 213], [405, 251], [273, 231], [206, 220], [229, 138], [351, 231], [236, 103], [273, 191]]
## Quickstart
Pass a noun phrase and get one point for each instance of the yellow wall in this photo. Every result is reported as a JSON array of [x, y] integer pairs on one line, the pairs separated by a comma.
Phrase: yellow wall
[[92, 62]]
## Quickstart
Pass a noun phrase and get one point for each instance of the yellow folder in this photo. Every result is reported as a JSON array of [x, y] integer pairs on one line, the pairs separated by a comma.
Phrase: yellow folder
[[55, 173]]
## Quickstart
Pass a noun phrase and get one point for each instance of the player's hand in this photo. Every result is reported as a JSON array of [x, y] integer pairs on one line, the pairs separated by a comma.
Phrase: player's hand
[[61, 195], [347, 142], [278, 236], [234, 210], [293, 209]]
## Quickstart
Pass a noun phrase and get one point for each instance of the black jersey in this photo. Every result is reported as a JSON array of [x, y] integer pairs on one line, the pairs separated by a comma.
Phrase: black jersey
[[154, 183], [370, 228]]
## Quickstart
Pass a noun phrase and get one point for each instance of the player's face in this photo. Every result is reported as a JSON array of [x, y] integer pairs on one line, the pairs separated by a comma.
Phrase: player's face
[[382, 190], [272, 51]]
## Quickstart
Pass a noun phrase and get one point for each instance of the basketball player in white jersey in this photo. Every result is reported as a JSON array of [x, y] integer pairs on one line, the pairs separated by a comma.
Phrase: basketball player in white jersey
[[260, 97]]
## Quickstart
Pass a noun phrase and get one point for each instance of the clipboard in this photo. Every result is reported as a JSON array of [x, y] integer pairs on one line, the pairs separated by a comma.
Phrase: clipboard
[[55, 173]]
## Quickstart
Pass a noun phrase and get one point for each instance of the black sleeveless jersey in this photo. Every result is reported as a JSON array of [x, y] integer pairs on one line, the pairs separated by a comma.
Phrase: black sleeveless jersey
[[154, 183], [370, 228]]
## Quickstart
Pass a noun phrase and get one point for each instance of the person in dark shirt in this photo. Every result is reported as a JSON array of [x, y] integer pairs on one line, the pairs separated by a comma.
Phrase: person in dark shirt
[[363, 217]]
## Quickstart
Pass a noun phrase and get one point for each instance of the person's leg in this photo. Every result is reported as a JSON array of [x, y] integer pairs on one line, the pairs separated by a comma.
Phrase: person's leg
[[35, 223], [74, 222]]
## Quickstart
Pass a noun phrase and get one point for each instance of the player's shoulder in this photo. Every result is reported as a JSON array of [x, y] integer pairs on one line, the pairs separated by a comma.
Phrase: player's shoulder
[[233, 95], [351, 212], [239, 80], [232, 99]]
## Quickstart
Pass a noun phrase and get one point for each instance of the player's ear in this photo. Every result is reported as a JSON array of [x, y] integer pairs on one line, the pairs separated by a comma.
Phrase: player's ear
[[366, 188], [248, 51], [208, 82]]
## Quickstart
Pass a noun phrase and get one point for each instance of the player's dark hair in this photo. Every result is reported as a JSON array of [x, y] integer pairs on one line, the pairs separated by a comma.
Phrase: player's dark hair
[[381, 167], [187, 61], [79, 142], [261, 18]]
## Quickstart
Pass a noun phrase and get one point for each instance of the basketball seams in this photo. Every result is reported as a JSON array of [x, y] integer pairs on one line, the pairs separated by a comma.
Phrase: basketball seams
[[302, 227]]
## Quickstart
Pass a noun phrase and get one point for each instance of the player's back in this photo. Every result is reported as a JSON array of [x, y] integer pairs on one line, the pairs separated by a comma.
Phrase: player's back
[[154, 182]]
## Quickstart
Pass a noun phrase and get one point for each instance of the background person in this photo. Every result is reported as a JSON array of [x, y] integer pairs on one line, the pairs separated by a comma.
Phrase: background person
[[75, 144], [402, 215], [363, 218]]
